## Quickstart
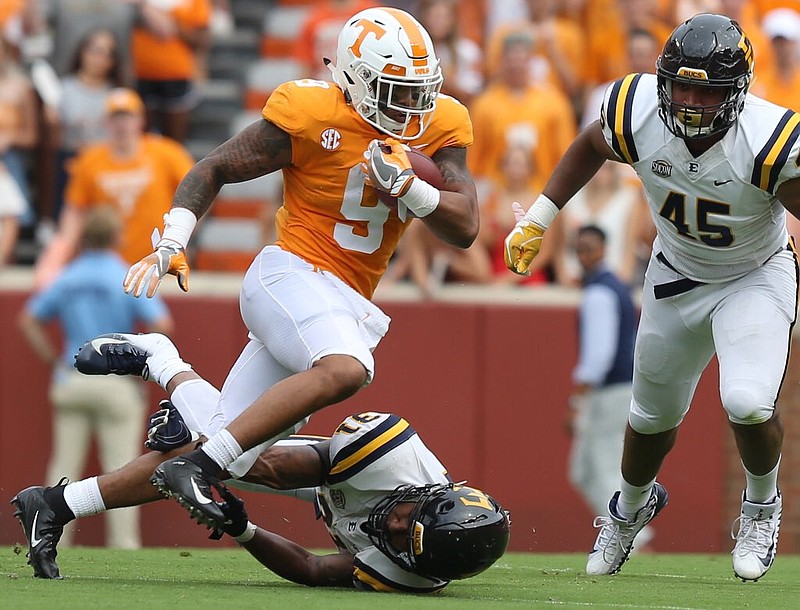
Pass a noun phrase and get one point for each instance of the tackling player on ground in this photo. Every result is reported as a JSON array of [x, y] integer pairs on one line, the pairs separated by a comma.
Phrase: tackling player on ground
[[719, 165], [398, 521]]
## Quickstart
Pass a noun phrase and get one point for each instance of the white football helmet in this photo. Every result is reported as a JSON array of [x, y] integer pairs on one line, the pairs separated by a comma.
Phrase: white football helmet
[[386, 65]]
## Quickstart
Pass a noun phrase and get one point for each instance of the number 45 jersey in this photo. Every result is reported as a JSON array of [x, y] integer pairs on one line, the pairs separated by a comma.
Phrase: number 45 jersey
[[329, 216], [371, 454], [716, 215]]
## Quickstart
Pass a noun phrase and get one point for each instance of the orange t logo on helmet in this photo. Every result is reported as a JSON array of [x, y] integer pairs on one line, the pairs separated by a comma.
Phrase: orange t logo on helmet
[[369, 27]]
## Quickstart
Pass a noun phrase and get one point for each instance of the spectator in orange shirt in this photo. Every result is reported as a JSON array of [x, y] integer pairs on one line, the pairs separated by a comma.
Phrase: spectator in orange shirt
[[134, 171], [166, 43], [779, 81], [513, 110], [610, 22], [558, 46], [320, 31]]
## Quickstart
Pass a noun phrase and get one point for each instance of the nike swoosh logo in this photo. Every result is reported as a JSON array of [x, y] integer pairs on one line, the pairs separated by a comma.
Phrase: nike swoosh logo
[[378, 167], [98, 343], [34, 540], [420, 146], [721, 182], [198, 494]]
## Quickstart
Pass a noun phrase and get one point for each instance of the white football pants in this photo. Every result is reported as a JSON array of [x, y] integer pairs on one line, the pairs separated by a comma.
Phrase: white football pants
[[295, 315], [746, 322]]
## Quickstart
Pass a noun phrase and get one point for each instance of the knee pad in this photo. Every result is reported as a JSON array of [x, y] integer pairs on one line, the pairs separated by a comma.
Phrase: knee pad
[[745, 406]]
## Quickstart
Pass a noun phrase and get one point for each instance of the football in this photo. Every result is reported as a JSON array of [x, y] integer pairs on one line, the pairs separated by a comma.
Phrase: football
[[425, 168]]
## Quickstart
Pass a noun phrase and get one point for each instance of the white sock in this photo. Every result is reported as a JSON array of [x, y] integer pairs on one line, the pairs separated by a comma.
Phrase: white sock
[[762, 488], [632, 498], [164, 361], [222, 448], [84, 498], [196, 401]]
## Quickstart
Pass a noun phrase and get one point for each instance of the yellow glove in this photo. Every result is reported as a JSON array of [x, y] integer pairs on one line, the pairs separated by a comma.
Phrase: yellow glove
[[387, 167], [522, 245], [168, 258]]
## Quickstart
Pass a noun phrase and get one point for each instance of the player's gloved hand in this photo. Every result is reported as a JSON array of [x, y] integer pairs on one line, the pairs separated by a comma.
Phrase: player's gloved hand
[[524, 241], [522, 245], [168, 258], [387, 167], [167, 430], [236, 523]]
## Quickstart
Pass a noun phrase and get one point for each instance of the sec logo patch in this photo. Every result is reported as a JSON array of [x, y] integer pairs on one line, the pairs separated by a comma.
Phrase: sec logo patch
[[330, 139]]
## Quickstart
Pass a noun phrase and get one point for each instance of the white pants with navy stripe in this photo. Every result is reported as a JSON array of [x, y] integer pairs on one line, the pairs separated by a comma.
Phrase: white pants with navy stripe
[[746, 322]]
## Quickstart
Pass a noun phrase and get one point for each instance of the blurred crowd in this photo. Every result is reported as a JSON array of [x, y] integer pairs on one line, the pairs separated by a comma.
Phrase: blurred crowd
[[532, 73]]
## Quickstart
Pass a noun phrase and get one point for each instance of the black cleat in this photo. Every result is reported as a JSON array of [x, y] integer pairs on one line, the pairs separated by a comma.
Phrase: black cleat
[[112, 353], [41, 529], [191, 486]]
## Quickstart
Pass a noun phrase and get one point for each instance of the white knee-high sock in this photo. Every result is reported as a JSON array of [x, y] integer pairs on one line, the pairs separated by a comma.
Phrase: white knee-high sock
[[196, 401]]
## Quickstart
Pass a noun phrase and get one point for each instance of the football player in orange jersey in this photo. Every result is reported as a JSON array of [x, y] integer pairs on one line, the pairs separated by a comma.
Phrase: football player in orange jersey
[[306, 298]]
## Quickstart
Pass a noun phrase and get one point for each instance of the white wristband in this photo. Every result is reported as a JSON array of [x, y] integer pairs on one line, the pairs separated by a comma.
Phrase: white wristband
[[247, 534], [542, 212], [178, 226], [421, 198]]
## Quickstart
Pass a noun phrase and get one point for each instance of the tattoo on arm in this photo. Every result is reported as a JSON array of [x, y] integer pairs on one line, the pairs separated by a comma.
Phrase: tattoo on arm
[[259, 149], [452, 162]]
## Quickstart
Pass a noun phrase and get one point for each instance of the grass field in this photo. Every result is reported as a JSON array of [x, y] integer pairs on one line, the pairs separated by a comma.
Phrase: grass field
[[204, 579]]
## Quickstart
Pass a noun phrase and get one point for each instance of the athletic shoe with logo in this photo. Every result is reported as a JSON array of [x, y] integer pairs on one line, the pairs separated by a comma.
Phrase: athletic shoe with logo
[[756, 538], [113, 353], [191, 486], [615, 540], [41, 529]]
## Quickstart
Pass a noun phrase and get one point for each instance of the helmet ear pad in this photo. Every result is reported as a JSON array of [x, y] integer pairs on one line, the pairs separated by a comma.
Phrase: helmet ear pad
[[711, 51]]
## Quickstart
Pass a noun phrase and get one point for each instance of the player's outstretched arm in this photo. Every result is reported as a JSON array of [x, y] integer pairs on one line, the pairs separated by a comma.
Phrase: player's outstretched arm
[[581, 161], [292, 562], [260, 148], [579, 164], [285, 558]]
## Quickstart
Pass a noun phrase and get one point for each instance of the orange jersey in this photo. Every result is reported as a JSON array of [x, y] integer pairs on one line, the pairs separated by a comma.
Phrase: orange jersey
[[156, 58], [540, 118], [141, 187], [329, 216]]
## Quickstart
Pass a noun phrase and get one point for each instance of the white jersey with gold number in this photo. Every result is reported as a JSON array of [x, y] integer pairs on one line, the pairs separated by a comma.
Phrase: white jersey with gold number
[[716, 215], [371, 454]]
